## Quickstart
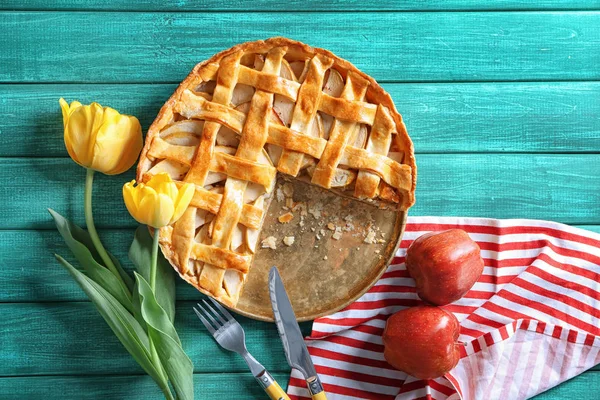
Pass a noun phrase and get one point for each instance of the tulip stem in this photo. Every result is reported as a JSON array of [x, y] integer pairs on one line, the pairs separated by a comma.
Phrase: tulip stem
[[89, 220], [154, 258], [153, 353]]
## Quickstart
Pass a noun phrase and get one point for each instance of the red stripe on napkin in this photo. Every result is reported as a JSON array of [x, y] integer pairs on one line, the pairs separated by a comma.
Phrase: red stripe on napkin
[[531, 322]]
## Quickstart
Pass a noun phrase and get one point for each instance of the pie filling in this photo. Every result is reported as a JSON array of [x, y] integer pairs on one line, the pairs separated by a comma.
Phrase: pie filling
[[259, 110]]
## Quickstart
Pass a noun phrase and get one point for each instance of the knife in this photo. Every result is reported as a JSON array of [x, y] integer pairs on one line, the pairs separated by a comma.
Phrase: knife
[[295, 349]]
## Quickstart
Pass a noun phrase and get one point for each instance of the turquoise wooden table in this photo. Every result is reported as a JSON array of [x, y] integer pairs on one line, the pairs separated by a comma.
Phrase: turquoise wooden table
[[501, 97]]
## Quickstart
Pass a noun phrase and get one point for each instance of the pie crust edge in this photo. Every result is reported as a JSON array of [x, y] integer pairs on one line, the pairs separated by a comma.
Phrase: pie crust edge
[[377, 95]]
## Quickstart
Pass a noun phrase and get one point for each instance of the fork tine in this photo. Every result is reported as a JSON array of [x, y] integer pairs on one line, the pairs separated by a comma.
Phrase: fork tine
[[204, 321], [208, 316], [221, 308], [215, 312]]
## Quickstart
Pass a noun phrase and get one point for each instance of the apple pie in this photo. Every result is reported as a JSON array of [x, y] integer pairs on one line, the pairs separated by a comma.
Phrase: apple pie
[[256, 110]]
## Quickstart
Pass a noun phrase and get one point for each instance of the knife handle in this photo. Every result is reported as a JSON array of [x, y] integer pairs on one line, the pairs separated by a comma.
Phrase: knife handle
[[271, 387], [316, 388], [319, 396]]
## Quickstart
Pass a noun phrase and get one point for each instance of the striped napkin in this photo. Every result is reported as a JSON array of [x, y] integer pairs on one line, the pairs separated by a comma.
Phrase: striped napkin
[[531, 322]]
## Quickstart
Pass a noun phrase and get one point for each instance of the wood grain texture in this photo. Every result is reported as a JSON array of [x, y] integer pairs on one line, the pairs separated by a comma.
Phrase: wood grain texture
[[163, 47], [300, 5], [72, 339], [131, 387], [581, 387], [559, 187], [440, 117], [56, 331], [20, 282], [76, 341], [207, 386]]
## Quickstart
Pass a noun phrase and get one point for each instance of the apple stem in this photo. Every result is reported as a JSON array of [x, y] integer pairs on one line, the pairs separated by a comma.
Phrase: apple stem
[[462, 343]]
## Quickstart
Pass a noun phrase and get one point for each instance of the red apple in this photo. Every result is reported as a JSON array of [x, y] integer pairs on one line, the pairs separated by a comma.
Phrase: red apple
[[421, 341], [444, 265]]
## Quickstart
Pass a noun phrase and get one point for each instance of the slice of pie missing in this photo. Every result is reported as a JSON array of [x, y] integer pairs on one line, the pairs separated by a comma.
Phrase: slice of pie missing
[[256, 110]]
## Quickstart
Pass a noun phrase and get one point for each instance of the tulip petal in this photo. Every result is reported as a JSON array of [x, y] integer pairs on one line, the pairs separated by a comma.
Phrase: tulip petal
[[101, 138], [109, 143], [96, 115], [77, 135], [131, 144], [184, 197], [129, 192], [64, 106], [157, 179], [163, 184], [156, 209], [66, 112]]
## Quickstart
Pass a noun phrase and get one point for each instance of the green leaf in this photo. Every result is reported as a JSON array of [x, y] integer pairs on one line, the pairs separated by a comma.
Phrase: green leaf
[[124, 275], [81, 245], [137, 307], [140, 254], [178, 366], [126, 328], [82, 236]]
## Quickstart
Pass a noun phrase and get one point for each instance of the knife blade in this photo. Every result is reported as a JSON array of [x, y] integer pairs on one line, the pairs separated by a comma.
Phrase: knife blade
[[296, 353]]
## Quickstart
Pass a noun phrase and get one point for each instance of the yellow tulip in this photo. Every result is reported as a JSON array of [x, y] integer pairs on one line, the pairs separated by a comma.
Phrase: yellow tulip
[[100, 138], [159, 202]]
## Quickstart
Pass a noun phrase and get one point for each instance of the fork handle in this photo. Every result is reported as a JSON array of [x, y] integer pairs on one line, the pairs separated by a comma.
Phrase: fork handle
[[271, 387]]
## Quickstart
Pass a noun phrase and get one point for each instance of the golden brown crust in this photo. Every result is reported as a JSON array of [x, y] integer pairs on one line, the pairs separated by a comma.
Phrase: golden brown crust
[[172, 239], [376, 92]]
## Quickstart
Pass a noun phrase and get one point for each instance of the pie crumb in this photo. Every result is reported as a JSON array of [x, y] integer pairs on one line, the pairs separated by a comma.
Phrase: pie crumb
[[325, 258], [269, 243], [288, 240], [300, 206], [337, 235], [285, 218], [331, 226], [303, 211], [279, 195], [315, 210], [370, 238]]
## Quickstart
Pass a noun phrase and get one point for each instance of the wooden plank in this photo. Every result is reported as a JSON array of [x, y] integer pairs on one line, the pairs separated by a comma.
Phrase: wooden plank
[[559, 187], [206, 386], [577, 388], [72, 339], [30, 273], [163, 47], [131, 387], [300, 5], [441, 118], [48, 281]]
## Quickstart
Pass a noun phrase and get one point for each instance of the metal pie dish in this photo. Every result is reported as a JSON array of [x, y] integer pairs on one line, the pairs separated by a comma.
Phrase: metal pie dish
[[317, 286], [211, 133]]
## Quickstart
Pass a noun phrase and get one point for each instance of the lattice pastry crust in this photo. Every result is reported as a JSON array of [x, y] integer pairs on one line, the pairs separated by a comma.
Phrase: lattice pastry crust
[[257, 109]]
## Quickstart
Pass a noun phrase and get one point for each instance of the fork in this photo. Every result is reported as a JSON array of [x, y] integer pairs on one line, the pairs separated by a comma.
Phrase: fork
[[229, 334]]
